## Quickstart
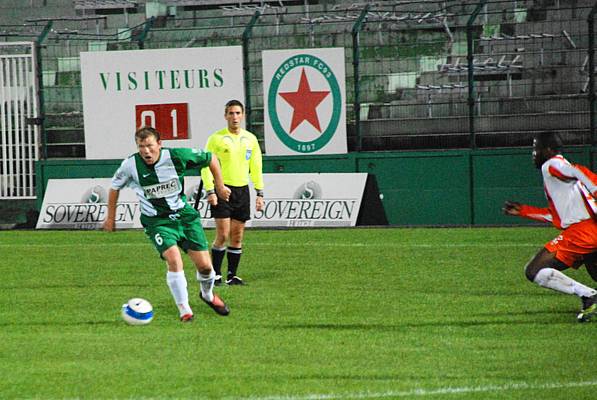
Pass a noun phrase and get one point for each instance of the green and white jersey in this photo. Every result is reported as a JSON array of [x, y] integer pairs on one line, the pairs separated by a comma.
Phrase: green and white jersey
[[160, 187]]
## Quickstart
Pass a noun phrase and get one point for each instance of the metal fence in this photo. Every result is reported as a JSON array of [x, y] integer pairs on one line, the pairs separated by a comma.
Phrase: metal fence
[[427, 74], [420, 74], [483, 74], [19, 139]]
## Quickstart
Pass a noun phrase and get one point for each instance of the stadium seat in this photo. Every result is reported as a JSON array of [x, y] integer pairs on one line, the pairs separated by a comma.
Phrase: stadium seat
[[529, 57], [104, 4]]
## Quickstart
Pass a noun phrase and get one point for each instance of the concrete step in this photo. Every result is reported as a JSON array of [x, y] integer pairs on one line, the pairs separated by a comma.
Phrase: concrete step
[[484, 124]]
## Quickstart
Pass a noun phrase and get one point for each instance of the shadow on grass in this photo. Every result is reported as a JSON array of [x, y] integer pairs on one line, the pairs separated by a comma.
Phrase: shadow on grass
[[61, 323], [504, 293], [354, 377], [73, 286], [432, 324], [523, 313]]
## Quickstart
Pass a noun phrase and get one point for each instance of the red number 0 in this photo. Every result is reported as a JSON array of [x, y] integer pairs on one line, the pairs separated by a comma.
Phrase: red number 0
[[171, 120]]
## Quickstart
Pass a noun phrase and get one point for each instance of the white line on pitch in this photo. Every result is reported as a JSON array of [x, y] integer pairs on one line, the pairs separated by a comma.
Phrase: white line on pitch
[[300, 244], [431, 392]]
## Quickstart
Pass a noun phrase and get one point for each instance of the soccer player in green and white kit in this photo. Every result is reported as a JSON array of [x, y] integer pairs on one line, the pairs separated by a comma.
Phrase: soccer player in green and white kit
[[156, 175]]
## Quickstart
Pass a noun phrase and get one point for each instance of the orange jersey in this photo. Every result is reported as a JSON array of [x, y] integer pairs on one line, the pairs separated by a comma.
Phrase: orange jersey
[[570, 191]]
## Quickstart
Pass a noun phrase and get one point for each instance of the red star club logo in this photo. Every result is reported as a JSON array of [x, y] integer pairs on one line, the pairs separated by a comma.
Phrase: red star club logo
[[304, 102]]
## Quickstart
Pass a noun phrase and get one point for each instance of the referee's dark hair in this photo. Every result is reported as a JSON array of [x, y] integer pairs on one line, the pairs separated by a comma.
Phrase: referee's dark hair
[[549, 139], [234, 103], [145, 132]]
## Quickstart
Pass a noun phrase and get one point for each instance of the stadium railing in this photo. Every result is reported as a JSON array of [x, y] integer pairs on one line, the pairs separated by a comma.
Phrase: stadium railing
[[592, 72], [530, 65]]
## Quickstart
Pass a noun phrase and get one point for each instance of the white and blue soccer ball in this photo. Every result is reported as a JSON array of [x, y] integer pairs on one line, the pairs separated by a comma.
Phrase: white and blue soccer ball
[[137, 312]]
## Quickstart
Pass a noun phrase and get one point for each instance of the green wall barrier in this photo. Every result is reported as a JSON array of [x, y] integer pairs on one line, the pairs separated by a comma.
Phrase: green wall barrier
[[510, 174], [422, 188], [453, 187]]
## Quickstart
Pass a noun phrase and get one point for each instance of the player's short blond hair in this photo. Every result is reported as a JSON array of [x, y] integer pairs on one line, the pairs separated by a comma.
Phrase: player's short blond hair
[[145, 132]]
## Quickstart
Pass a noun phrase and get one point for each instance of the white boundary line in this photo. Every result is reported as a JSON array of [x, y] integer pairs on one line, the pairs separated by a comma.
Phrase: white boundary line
[[302, 244], [431, 392]]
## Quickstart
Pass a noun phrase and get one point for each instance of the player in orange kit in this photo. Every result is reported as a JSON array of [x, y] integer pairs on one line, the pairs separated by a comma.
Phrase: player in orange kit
[[571, 192]]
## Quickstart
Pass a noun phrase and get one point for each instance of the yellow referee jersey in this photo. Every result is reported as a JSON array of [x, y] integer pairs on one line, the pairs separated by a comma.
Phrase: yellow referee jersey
[[239, 156]]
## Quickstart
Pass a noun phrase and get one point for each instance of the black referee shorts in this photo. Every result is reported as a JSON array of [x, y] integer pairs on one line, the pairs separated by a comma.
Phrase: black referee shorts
[[238, 207]]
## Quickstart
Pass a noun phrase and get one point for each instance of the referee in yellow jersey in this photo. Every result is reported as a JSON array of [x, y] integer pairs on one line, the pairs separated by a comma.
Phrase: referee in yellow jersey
[[240, 158]]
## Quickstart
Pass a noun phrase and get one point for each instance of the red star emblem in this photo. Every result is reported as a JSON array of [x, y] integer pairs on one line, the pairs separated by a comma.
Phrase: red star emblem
[[304, 102]]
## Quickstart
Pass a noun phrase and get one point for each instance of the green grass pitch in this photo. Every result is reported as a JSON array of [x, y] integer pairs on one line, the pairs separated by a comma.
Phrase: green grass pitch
[[326, 314]]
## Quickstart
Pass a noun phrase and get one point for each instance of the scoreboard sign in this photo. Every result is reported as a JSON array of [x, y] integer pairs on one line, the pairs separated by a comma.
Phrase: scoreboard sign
[[171, 120], [180, 92]]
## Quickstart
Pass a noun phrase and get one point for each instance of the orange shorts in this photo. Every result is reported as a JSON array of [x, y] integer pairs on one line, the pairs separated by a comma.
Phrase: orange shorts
[[574, 243]]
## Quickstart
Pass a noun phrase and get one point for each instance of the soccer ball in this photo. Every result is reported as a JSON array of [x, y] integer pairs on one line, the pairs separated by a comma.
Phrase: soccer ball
[[137, 312]]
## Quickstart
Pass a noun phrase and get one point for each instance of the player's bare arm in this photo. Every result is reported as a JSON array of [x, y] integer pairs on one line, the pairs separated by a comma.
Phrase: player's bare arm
[[221, 189], [109, 222], [511, 208]]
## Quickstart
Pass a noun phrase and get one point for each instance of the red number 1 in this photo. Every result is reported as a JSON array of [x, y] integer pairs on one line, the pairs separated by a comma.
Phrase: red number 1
[[171, 120]]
